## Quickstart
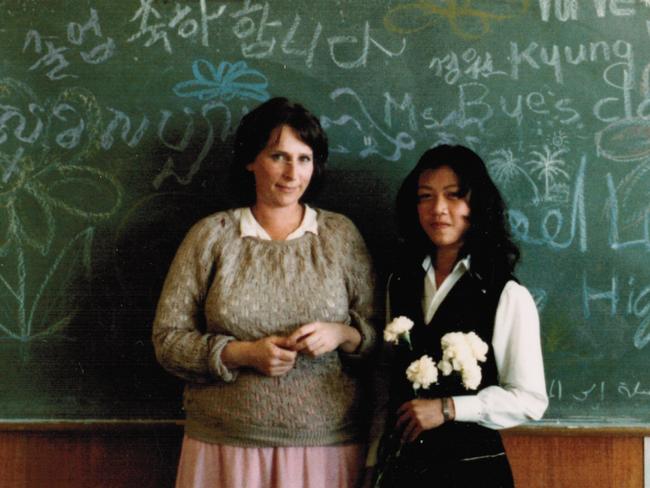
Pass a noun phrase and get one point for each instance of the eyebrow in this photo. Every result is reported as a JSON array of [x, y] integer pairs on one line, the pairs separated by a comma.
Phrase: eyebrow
[[428, 187]]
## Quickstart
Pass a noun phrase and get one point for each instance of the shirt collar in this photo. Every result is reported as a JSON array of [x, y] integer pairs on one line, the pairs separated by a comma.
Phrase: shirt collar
[[249, 227], [463, 264]]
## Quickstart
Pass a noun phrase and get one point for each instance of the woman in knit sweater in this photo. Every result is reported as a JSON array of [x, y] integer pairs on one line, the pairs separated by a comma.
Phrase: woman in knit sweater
[[261, 311], [475, 322]]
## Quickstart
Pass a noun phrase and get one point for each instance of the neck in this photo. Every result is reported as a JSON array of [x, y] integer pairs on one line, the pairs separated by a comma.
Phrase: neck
[[445, 262], [278, 222]]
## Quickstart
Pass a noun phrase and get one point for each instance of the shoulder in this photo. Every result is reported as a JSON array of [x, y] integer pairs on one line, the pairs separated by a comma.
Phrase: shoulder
[[334, 221], [514, 290], [215, 227], [517, 299], [336, 227]]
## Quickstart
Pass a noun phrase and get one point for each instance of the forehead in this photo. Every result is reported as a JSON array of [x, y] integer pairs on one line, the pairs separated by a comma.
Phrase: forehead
[[440, 177], [286, 136]]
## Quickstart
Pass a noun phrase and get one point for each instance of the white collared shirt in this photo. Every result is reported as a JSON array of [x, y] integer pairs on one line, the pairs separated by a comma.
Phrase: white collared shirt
[[521, 393], [250, 227]]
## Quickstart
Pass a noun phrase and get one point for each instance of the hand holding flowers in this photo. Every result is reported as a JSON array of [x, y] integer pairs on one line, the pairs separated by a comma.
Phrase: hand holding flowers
[[461, 352]]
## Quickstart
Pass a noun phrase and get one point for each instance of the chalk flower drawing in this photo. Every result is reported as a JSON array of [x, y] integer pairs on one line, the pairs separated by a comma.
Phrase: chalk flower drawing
[[226, 82], [548, 166], [505, 168], [37, 188]]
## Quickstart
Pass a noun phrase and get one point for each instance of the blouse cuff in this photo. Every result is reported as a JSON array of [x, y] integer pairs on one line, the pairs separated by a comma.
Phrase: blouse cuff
[[469, 408], [215, 365]]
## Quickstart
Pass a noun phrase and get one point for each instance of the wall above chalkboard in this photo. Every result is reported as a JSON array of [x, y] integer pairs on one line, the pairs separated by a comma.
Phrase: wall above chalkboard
[[116, 121]]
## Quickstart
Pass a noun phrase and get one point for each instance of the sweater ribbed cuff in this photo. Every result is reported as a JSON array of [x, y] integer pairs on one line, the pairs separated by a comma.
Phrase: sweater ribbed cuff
[[215, 365]]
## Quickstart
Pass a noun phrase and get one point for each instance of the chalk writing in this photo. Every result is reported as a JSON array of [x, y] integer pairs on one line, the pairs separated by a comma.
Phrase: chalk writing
[[636, 305], [372, 135], [246, 28], [185, 26], [595, 392], [472, 64], [625, 390], [535, 56], [466, 19], [170, 168], [54, 56], [565, 10], [585, 394]]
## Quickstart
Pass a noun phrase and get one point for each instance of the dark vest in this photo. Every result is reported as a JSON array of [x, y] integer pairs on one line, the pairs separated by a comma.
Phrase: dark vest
[[470, 306]]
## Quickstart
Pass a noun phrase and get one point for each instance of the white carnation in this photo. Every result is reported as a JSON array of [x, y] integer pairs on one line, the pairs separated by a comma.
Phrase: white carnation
[[456, 350], [390, 336], [479, 348], [422, 373], [460, 352], [445, 367], [399, 326], [471, 376]]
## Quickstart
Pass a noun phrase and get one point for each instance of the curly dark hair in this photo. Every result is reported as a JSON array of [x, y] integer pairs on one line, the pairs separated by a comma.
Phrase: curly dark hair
[[253, 135], [487, 240]]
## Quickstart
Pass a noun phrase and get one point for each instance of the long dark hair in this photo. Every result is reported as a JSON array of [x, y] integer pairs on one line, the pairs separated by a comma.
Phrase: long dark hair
[[253, 134], [487, 240]]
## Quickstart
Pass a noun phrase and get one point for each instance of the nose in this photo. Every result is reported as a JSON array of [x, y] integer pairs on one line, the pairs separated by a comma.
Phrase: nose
[[439, 206], [289, 172]]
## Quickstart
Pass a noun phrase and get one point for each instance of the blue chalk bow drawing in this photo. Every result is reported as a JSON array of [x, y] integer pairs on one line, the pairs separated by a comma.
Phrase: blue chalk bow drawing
[[226, 82]]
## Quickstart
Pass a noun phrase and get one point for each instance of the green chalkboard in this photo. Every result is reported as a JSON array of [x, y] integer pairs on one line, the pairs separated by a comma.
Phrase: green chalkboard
[[116, 122]]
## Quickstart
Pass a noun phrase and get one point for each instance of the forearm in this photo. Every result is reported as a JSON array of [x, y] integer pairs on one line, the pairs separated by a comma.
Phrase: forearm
[[498, 407], [236, 354], [191, 355]]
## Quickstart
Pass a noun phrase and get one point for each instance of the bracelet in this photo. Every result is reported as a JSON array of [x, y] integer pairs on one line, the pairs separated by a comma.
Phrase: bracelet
[[446, 411]]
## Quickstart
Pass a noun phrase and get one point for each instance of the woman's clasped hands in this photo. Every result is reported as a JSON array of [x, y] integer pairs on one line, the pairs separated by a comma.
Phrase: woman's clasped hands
[[276, 355]]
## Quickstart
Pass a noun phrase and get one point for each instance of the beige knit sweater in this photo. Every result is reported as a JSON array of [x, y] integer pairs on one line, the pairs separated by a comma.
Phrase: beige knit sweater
[[222, 287]]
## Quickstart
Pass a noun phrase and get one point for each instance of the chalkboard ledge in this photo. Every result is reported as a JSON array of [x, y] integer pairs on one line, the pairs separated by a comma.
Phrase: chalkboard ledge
[[93, 425], [173, 426]]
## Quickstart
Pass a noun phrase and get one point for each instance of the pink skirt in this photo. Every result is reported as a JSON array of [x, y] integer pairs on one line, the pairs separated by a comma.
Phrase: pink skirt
[[204, 465]]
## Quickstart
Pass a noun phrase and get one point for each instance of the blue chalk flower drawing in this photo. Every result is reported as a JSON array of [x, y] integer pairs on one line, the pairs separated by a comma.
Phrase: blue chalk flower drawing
[[226, 82], [46, 179]]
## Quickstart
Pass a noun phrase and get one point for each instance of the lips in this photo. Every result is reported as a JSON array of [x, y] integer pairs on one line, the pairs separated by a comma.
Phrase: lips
[[439, 224], [286, 189]]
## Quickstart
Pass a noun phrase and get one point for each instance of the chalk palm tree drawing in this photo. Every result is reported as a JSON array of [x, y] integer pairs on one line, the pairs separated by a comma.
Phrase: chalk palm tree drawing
[[548, 166], [505, 168], [38, 188]]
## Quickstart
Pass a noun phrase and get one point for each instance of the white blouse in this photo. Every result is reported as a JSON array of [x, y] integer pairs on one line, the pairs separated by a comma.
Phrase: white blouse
[[516, 344], [250, 227], [521, 393]]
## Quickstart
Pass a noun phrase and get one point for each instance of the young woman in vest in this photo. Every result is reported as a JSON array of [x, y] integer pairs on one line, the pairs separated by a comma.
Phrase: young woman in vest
[[262, 307], [456, 276]]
